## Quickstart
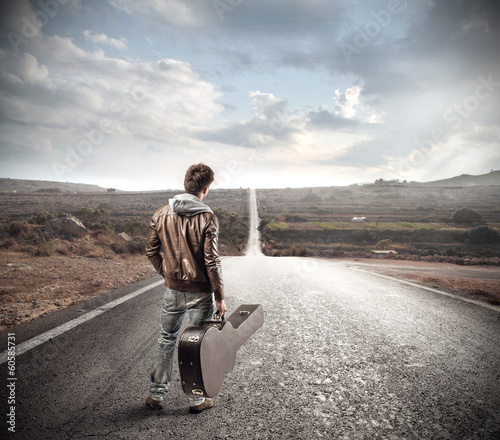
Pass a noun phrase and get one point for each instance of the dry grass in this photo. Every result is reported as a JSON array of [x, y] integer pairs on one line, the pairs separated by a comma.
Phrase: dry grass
[[42, 271], [33, 286]]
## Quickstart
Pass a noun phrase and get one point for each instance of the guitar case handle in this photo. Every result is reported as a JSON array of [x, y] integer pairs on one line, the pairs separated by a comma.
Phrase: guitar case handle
[[218, 317]]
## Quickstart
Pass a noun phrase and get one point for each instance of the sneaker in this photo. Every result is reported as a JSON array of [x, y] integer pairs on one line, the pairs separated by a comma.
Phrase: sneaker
[[207, 404], [155, 404]]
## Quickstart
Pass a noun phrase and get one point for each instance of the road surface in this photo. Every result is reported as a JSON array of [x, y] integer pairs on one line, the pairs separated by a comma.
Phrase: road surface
[[342, 354]]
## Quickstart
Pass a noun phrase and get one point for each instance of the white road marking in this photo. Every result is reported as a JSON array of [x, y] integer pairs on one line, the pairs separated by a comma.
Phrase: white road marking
[[430, 289], [253, 246], [44, 337]]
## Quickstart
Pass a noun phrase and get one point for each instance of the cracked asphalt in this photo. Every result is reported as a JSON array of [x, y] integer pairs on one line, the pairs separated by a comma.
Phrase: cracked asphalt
[[342, 354]]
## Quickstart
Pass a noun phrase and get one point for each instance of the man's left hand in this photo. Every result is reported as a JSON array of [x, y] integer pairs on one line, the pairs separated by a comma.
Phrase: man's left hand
[[221, 307]]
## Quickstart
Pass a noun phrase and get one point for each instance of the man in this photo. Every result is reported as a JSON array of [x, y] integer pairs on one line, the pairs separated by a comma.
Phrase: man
[[182, 246]]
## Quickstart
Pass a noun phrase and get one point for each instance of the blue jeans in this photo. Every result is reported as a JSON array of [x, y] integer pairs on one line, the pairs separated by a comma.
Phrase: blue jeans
[[201, 308]]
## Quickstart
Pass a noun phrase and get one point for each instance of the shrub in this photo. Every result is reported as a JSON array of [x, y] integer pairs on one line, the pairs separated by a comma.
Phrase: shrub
[[40, 219], [460, 236], [295, 218], [101, 228], [96, 233], [7, 243], [103, 238], [452, 252], [312, 198], [466, 216], [297, 251], [484, 235], [120, 247], [18, 229], [137, 245], [105, 206], [43, 217], [89, 214], [263, 223], [362, 235], [384, 244], [135, 227], [64, 249], [44, 249], [233, 229]]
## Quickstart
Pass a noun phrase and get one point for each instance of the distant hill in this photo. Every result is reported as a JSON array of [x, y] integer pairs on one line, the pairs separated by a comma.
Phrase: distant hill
[[40, 186], [45, 186], [489, 179]]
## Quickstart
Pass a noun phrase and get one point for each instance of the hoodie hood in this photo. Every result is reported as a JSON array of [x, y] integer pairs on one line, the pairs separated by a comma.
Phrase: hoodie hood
[[188, 205]]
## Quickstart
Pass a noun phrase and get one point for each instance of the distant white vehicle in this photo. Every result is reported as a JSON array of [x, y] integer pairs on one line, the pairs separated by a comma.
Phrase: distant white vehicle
[[358, 219]]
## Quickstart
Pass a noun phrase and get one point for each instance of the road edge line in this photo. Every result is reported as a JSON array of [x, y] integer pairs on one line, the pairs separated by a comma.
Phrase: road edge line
[[59, 330], [430, 289]]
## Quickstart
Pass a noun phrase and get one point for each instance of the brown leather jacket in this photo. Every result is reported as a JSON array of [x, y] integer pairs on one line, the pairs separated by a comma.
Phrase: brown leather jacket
[[183, 249]]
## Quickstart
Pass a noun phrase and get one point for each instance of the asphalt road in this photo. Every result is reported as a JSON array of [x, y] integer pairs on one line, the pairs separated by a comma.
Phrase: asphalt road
[[342, 354]]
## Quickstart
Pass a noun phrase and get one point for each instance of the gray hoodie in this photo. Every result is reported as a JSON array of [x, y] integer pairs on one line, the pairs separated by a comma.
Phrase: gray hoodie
[[188, 205]]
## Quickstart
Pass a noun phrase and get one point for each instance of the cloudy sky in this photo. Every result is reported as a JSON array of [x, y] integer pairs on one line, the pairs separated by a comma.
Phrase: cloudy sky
[[270, 93]]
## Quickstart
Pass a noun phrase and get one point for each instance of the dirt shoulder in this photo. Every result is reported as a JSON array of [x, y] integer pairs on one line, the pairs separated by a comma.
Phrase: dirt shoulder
[[31, 287], [481, 283]]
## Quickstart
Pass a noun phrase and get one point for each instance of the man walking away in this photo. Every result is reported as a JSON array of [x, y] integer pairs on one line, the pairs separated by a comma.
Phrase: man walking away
[[182, 246]]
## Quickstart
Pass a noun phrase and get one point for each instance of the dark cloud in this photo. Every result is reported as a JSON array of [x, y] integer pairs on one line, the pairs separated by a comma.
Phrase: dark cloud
[[325, 120], [254, 133], [272, 124]]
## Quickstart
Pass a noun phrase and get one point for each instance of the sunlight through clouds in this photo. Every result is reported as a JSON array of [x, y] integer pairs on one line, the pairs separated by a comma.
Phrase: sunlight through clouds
[[126, 88]]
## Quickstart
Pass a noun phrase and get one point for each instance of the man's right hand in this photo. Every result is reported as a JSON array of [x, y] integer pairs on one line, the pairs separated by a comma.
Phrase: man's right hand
[[221, 307]]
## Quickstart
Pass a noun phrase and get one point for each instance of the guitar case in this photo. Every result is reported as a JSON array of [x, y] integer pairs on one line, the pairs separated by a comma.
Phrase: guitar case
[[207, 352]]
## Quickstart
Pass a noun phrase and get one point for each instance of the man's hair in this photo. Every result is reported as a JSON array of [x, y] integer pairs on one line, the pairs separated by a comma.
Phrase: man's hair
[[198, 177]]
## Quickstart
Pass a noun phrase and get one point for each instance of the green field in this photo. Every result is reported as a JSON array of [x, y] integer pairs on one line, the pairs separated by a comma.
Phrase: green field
[[411, 220]]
